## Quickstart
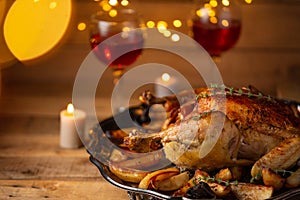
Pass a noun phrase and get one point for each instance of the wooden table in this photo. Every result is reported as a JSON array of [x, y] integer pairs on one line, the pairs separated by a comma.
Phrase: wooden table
[[33, 165]]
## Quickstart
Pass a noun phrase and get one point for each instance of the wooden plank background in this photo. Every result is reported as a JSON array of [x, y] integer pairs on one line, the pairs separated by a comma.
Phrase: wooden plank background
[[33, 166], [267, 51]]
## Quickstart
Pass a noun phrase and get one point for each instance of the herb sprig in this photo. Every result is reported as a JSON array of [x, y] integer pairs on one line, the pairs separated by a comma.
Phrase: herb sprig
[[203, 114], [217, 180], [216, 89]]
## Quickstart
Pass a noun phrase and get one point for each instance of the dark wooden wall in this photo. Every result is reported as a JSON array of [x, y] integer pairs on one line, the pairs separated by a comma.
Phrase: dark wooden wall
[[267, 54]]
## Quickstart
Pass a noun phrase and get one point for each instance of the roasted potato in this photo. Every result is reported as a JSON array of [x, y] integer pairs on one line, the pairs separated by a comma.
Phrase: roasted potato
[[224, 174], [248, 191], [272, 179]]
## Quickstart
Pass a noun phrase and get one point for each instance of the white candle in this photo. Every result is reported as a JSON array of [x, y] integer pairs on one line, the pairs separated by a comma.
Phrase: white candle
[[69, 131], [165, 84]]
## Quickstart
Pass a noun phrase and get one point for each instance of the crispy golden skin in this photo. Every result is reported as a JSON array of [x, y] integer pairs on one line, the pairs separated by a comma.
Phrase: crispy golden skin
[[257, 129]]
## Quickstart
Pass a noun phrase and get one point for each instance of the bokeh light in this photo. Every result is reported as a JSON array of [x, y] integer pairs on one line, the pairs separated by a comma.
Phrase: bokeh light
[[162, 26], [177, 23], [225, 2], [81, 26], [150, 24], [175, 37], [124, 3], [225, 23], [113, 13], [33, 28], [113, 2], [6, 57], [213, 3]]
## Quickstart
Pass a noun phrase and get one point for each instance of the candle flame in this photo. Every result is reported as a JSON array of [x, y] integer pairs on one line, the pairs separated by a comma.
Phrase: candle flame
[[165, 77], [70, 108]]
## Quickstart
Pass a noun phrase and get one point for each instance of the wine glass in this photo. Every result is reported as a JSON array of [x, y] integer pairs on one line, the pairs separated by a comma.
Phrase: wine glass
[[216, 25], [124, 26]]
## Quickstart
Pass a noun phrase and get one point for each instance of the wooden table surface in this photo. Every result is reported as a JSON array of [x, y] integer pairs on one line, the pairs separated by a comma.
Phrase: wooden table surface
[[33, 165]]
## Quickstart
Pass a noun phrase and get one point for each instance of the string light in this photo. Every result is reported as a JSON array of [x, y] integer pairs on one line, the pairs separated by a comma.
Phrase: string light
[[213, 20], [167, 33], [81, 26], [177, 23], [150, 24], [211, 13], [225, 23], [175, 37], [165, 77], [225, 2], [113, 13], [213, 3], [162, 26], [113, 2], [106, 7], [124, 3]]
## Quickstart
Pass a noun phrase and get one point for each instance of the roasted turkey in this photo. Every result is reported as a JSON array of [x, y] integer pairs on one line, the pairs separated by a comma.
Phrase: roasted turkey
[[219, 126]]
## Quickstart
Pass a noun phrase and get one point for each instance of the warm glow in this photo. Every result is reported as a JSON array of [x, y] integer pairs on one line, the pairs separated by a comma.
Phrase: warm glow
[[207, 5], [213, 3], [106, 7], [113, 2], [248, 1], [162, 24], [124, 3], [175, 37], [52, 5], [31, 29], [81, 26], [213, 20], [177, 23], [107, 54], [225, 23], [165, 77], [150, 24], [167, 33], [211, 13], [6, 57], [125, 29], [225, 2], [201, 12], [70, 108], [113, 13]]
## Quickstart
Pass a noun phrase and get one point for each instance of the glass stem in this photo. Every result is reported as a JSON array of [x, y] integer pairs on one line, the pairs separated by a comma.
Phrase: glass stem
[[117, 73], [216, 59]]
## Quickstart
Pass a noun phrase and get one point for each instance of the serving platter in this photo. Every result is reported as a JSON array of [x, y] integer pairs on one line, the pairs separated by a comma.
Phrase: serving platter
[[99, 152]]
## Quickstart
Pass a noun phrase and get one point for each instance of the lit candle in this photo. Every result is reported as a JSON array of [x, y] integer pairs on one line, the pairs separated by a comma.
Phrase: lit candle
[[165, 85], [69, 131]]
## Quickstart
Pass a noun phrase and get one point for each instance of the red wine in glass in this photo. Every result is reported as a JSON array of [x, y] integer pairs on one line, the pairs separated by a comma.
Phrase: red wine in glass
[[107, 51], [117, 40], [216, 38]]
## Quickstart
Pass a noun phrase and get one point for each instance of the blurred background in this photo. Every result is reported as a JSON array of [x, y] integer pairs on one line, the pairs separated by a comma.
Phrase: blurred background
[[266, 54]]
